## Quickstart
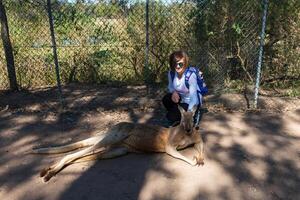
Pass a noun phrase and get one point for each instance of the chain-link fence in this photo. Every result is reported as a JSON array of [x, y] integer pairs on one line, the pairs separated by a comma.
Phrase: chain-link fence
[[129, 41]]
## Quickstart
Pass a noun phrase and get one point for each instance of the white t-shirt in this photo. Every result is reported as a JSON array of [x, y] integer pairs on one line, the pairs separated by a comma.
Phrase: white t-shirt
[[188, 96]]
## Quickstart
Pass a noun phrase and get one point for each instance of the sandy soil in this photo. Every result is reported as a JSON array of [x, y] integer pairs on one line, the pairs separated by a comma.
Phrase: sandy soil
[[249, 155]]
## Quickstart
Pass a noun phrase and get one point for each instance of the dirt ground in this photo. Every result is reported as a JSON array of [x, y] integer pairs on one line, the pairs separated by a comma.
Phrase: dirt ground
[[248, 155]]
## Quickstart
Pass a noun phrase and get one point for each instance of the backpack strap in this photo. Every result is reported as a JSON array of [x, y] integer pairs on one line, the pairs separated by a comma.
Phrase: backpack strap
[[200, 82], [188, 74]]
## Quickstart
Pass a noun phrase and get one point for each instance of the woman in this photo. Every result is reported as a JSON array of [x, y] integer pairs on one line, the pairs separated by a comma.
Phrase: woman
[[179, 93]]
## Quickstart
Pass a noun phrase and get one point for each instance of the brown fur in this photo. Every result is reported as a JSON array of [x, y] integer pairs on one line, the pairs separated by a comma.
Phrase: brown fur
[[129, 137]]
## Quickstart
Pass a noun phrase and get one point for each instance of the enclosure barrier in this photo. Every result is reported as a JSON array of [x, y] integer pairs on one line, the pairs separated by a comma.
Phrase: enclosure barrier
[[128, 42]]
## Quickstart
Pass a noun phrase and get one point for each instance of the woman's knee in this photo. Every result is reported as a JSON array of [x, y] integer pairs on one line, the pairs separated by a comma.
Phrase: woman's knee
[[167, 100]]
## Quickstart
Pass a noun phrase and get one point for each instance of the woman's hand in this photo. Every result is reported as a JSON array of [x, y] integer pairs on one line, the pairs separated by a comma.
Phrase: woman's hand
[[175, 97]]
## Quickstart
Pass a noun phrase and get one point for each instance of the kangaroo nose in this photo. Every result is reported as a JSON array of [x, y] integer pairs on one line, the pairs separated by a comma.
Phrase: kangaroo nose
[[188, 130]]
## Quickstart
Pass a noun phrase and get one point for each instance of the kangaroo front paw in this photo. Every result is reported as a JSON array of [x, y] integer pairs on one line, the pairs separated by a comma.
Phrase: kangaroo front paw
[[199, 160]]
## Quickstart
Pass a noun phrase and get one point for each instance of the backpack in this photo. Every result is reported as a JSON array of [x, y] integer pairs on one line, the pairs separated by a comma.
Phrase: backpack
[[203, 90]]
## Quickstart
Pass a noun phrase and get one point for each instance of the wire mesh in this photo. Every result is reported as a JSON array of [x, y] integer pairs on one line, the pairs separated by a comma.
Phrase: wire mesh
[[105, 41], [31, 43], [3, 71]]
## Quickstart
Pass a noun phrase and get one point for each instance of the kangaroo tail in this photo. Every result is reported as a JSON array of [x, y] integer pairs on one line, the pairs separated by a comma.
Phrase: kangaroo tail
[[67, 148]]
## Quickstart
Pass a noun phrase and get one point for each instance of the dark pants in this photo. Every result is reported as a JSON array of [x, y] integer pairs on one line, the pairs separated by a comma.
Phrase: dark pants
[[173, 113]]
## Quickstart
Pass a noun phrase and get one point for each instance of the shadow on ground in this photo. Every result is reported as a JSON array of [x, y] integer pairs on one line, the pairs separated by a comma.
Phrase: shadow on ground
[[248, 155]]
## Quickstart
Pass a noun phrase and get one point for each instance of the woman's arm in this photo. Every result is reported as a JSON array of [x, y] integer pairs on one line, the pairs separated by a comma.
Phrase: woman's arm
[[170, 85], [193, 91]]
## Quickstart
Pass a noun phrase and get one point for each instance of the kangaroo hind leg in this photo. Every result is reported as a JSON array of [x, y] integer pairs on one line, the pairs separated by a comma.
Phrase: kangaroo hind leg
[[106, 154], [111, 138]]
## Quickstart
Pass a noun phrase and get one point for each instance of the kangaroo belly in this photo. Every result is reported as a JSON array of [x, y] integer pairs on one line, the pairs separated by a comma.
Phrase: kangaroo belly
[[145, 138]]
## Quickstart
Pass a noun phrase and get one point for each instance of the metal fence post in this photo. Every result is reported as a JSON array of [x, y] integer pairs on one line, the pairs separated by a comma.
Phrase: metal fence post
[[146, 67], [260, 56], [49, 10]]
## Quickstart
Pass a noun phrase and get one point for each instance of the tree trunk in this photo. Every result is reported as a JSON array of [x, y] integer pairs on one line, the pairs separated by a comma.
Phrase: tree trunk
[[8, 49]]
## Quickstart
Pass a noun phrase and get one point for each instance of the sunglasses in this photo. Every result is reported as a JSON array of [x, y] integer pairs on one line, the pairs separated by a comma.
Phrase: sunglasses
[[179, 65]]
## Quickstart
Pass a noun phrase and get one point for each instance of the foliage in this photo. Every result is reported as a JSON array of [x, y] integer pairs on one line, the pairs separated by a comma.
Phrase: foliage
[[282, 50], [104, 41]]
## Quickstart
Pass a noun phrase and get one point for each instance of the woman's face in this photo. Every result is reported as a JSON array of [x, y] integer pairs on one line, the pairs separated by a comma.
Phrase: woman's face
[[179, 66]]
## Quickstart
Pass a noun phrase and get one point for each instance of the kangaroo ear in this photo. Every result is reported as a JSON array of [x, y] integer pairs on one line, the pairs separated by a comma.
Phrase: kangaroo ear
[[181, 109]]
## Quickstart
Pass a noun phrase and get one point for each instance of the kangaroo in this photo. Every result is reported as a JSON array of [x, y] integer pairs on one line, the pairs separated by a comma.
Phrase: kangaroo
[[126, 137]]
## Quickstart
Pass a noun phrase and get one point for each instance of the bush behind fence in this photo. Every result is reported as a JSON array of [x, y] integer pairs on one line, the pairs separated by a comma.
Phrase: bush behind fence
[[105, 41]]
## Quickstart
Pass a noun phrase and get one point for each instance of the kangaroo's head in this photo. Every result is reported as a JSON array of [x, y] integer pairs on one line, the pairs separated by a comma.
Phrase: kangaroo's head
[[187, 119]]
